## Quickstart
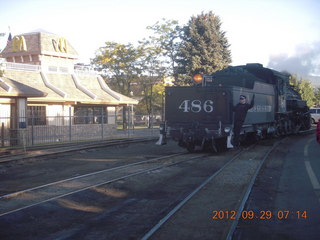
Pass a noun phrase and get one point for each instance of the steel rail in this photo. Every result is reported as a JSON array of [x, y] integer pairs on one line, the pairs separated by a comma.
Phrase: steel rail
[[103, 183], [34, 152], [185, 200], [248, 191], [87, 175]]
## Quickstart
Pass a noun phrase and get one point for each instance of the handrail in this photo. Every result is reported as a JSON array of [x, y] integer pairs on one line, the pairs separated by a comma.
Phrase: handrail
[[83, 72], [22, 66], [38, 68]]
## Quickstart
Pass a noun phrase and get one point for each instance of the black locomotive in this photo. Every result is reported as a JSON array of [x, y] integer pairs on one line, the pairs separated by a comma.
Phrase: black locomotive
[[201, 116]]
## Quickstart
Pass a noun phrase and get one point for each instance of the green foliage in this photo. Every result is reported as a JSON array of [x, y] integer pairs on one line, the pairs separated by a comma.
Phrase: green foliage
[[122, 63], [305, 89], [317, 97], [172, 50], [153, 71], [134, 69], [151, 99], [166, 37], [204, 47]]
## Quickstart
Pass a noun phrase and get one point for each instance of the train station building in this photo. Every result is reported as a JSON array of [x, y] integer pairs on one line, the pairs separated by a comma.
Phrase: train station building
[[41, 89]]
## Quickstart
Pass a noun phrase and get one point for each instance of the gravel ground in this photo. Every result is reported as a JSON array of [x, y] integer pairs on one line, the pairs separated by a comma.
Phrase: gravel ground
[[41, 170], [129, 208], [283, 187], [223, 193]]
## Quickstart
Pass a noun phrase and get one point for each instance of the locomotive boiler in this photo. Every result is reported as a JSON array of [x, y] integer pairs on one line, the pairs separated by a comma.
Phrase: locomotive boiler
[[201, 116]]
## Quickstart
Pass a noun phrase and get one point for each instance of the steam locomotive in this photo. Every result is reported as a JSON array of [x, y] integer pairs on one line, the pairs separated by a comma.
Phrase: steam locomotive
[[201, 116]]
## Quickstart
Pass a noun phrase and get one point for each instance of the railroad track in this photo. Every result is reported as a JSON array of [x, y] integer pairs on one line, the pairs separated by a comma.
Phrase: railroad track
[[20, 200], [41, 151], [246, 162], [226, 212]]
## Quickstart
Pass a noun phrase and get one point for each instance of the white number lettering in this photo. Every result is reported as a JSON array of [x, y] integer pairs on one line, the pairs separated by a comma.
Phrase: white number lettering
[[208, 106], [196, 106], [184, 106]]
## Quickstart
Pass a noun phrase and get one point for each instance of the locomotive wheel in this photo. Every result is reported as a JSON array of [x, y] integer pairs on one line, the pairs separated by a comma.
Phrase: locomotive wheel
[[252, 138], [190, 147], [306, 123], [222, 145], [213, 147], [218, 145]]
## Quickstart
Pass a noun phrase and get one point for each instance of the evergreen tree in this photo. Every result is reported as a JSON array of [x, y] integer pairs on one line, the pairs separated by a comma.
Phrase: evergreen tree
[[204, 47]]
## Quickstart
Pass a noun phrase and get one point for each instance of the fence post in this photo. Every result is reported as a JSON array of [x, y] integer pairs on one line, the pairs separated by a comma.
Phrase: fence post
[[132, 117], [2, 134], [102, 122], [32, 128], [70, 136]]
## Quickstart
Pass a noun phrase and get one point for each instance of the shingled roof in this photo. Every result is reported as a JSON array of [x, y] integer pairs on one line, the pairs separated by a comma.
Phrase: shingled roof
[[40, 43], [45, 62], [12, 88], [90, 89]]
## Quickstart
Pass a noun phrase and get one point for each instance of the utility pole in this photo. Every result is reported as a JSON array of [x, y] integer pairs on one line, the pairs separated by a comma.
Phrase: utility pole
[[1, 36]]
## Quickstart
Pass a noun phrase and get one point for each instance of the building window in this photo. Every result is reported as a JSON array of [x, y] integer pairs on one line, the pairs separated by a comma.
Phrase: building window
[[52, 69], [63, 69], [36, 115], [90, 115]]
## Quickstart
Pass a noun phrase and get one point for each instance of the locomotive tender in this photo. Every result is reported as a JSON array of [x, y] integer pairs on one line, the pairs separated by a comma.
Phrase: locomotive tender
[[201, 116]]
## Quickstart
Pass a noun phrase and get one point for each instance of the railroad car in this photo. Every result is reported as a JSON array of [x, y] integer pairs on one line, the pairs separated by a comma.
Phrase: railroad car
[[201, 116]]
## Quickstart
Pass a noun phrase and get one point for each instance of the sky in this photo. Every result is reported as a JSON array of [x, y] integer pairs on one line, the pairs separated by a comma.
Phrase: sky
[[282, 34]]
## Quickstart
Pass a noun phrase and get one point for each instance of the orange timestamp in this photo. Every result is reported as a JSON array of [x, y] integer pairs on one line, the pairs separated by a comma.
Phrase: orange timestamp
[[261, 215]]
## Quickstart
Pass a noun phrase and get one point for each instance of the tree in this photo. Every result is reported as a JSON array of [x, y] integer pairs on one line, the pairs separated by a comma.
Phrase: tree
[[152, 73], [305, 89], [204, 47], [166, 37], [317, 97], [152, 100], [121, 61]]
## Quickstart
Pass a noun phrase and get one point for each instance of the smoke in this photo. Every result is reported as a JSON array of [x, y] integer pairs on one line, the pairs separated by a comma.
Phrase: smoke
[[304, 62]]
